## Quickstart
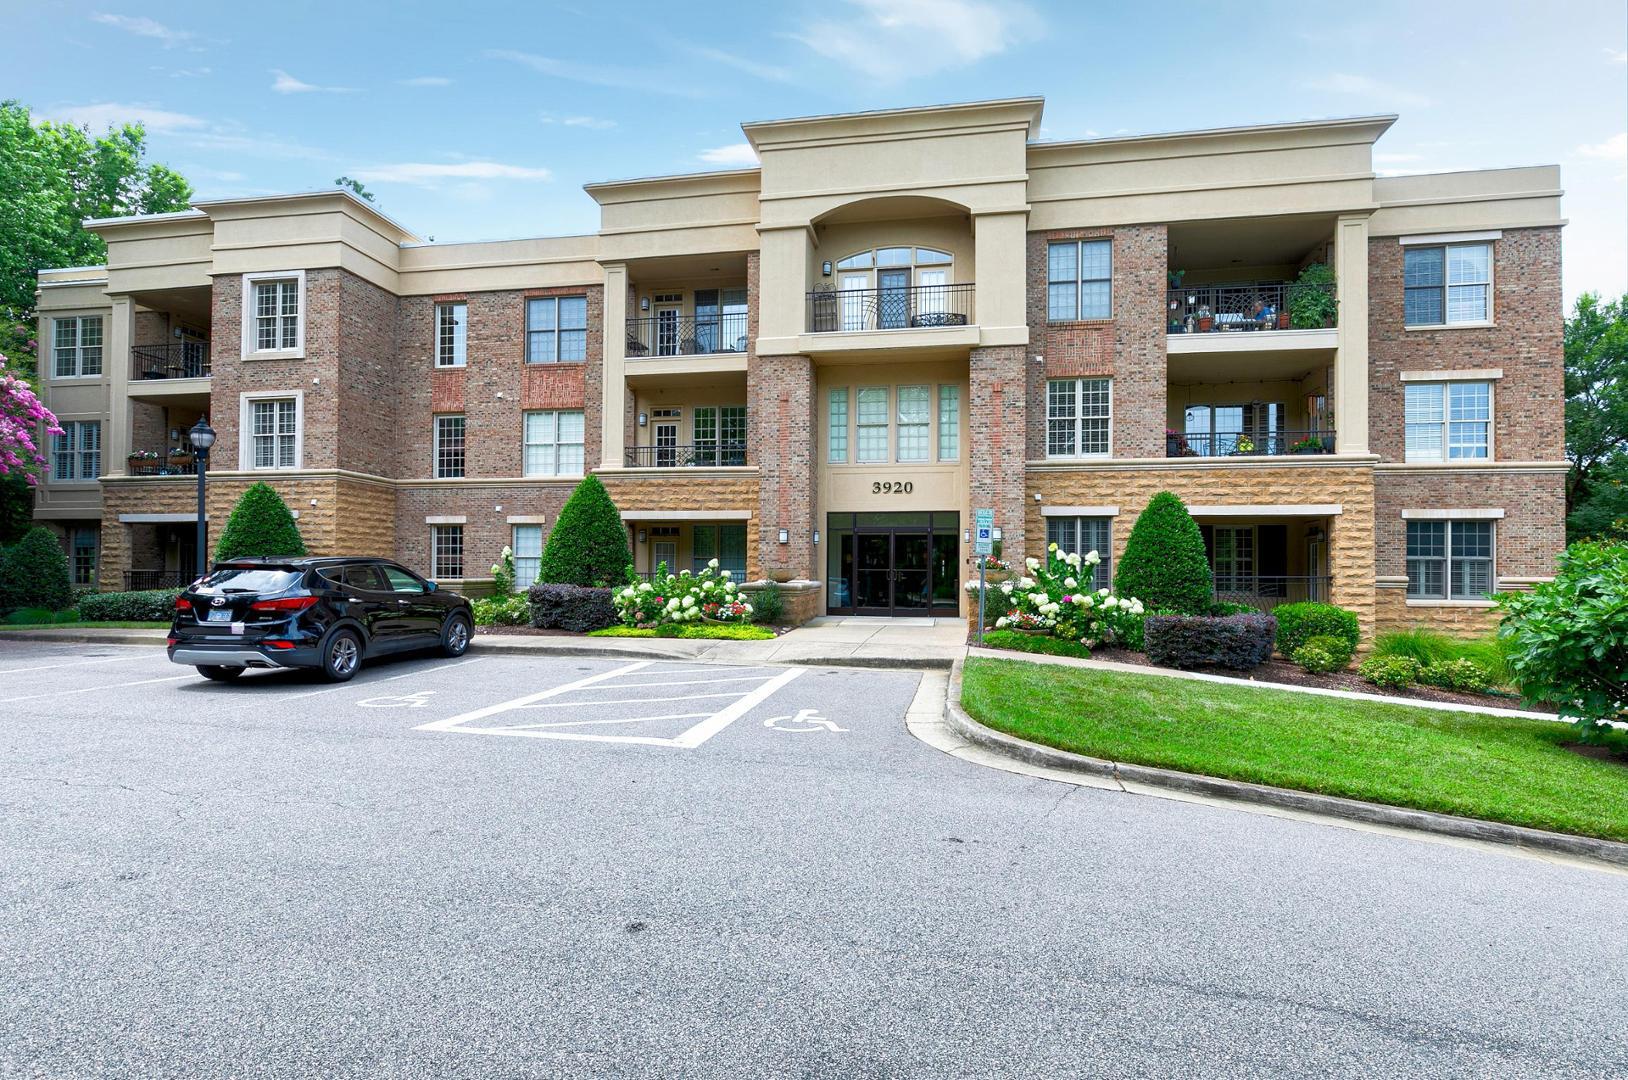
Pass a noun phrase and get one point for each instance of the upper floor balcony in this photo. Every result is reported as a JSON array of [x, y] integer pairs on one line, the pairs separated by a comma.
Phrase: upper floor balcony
[[673, 332], [890, 306], [666, 455], [180, 360], [1244, 307]]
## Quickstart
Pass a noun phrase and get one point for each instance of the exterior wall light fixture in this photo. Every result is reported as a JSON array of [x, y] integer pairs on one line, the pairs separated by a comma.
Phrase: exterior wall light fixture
[[644, 419], [816, 537], [825, 268], [641, 536], [785, 536], [644, 303]]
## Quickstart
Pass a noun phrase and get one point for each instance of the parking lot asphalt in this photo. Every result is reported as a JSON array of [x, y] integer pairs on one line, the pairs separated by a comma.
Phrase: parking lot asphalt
[[511, 866]]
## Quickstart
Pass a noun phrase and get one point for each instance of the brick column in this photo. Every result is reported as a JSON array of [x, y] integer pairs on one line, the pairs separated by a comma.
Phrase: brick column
[[780, 414], [996, 402]]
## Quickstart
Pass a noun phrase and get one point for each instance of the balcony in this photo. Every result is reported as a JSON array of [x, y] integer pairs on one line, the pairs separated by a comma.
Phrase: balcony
[[709, 455], [676, 334], [1267, 592], [917, 307], [182, 360], [1247, 443], [149, 464], [1251, 306], [140, 580]]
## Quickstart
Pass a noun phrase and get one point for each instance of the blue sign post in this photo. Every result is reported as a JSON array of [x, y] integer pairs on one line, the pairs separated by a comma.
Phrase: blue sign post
[[983, 545]]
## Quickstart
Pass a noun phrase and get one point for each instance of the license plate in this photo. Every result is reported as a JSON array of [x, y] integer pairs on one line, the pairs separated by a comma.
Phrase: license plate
[[218, 615]]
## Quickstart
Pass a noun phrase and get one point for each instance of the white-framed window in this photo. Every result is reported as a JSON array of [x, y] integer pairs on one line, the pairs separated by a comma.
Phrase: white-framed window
[[274, 314], [718, 433], [449, 447], [553, 443], [1447, 284], [451, 333], [556, 329], [82, 551], [1447, 421], [871, 424], [949, 422], [726, 543], [836, 426], [1079, 417], [271, 426], [1079, 280], [893, 287], [527, 543], [1449, 560], [915, 405], [447, 552], [76, 347], [1080, 535], [76, 454]]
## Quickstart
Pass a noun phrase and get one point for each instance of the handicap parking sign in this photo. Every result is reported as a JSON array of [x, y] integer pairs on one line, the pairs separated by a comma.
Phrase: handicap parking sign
[[983, 532]]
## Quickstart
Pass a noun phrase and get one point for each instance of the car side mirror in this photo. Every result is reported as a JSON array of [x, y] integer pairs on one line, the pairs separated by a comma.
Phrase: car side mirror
[[429, 586]]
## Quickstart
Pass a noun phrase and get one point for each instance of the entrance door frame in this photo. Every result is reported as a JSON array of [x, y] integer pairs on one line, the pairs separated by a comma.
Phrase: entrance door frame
[[929, 531]]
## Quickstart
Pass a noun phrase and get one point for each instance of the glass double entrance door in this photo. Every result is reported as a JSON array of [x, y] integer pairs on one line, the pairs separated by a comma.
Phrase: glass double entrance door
[[893, 564]]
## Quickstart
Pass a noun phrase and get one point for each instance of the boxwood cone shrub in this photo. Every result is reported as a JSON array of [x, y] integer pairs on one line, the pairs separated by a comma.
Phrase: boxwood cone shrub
[[1299, 623], [148, 605], [1164, 564], [577, 608], [34, 573], [1391, 672], [260, 524], [1568, 638], [1239, 642], [1322, 654], [588, 544]]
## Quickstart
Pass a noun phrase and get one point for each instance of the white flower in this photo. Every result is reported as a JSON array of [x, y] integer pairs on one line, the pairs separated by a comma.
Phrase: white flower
[[1086, 602], [1000, 622], [1069, 583], [644, 586], [712, 565], [689, 601], [1093, 558], [747, 608], [1006, 588], [1074, 561], [672, 605], [507, 551], [1051, 547], [1048, 609], [1025, 582], [1032, 563], [1037, 598], [723, 573], [1110, 603]]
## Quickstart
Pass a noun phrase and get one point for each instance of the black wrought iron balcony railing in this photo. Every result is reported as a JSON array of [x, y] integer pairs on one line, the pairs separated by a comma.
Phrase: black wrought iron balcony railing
[[1247, 443], [915, 307], [671, 334], [1268, 591], [181, 360], [175, 466], [706, 455], [138, 580], [1250, 306]]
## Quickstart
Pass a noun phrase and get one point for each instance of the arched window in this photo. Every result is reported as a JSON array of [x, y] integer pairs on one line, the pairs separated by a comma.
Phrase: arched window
[[890, 287]]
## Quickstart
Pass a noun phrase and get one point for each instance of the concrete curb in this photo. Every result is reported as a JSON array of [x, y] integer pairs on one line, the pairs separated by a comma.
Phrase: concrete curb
[[1606, 851], [89, 637]]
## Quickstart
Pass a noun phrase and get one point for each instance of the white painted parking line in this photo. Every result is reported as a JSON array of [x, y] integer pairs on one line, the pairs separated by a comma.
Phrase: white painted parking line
[[506, 706], [143, 655], [90, 689], [359, 682]]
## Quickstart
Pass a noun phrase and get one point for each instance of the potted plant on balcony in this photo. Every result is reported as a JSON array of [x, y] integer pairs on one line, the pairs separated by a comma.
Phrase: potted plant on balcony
[[1311, 444], [1175, 444], [141, 461], [1244, 445], [180, 457], [1206, 320], [1311, 298]]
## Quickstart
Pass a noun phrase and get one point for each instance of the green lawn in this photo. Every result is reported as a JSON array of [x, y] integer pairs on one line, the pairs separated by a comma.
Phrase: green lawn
[[78, 624], [1489, 767], [725, 631]]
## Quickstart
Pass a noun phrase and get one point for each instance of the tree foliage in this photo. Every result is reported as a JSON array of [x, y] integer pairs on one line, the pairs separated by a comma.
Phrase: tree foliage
[[34, 573], [260, 525], [1597, 417], [1164, 564], [588, 544]]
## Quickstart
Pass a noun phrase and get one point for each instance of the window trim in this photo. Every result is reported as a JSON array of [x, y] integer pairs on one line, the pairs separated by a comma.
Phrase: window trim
[[74, 535], [1445, 246], [1447, 385], [526, 331], [556, 444], [1448, 519], [249, 340], [1105, 568], [76, 425], [886, 426], [1079, 419], [1079, 280], [831, 429], [938, 422], [245, 443], [463, 551], [436, 448], [49, 347], [520, 586], [928, 425], [460, 346]]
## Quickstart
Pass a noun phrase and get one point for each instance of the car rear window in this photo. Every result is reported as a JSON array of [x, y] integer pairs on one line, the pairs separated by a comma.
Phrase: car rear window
[[256, 579]]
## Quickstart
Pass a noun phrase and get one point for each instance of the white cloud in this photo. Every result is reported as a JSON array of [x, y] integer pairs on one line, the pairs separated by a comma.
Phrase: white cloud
[[249, 144], [1616, 56], [890, 40], [752, 67], [642, 79], [1363, 87], [142, 26], [426, 80], [738, 154], [596, 123], [1613, 149], [428, 173], [284, 83], [182, 73], [108, 114]]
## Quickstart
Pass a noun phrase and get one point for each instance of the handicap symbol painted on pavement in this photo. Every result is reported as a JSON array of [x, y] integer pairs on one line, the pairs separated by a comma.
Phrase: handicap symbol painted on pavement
[[403, 701], [805, 720]]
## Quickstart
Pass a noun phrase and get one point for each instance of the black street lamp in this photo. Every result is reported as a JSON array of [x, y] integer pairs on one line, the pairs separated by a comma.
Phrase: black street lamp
[[202, 437]]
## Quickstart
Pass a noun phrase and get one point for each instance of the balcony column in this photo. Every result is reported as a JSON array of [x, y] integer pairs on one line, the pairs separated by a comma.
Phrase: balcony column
[[783, 274], [613, 377], [999, 256], [1351, 358], [121, 331]]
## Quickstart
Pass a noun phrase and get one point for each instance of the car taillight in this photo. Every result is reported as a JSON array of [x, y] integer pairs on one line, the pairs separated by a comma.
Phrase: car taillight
[[183, 604], [171, 641], [278, 644], [287, 603]]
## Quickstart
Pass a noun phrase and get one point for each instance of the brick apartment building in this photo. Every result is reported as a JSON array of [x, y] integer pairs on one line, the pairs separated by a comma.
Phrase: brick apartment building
[[816, 369]]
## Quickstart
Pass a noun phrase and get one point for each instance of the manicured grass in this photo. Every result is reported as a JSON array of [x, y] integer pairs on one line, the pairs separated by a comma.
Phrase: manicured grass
[[1497, 768], [722, 631], [80, 624], [1034, 643]]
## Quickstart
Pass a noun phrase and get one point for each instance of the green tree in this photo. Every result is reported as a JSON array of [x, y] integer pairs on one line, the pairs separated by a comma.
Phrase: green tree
[[1164, 564], [16, 507], [34, 573], [588, 544], [52, 177], [351, 184], [260, 525], [1596, 415]]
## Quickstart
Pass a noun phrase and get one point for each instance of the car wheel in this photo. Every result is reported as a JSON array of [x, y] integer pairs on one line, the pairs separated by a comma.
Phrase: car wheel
[[218, 673], [342, 656], [455, 636]]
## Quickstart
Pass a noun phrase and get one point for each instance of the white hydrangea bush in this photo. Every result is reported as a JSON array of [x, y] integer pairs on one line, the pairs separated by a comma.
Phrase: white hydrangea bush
[[1055, 597], [667, 598]]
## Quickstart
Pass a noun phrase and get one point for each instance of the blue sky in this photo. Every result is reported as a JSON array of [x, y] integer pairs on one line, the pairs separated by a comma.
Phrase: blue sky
[[481, 120]]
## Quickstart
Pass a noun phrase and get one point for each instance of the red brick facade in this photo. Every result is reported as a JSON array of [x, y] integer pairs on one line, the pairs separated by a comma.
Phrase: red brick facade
[[780, 424]]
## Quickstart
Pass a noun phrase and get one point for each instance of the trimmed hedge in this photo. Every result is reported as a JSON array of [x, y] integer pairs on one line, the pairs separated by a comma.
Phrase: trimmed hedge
[[1239, 642], [1323, 654], [588, 543], [571, 607], [1462, 674], [260, 524], [1299, 623], [1390, 672], [1164, 564], [34, 573], [149, 605]]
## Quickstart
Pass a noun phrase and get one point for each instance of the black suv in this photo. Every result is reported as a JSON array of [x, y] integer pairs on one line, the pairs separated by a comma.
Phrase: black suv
[[312, 613]]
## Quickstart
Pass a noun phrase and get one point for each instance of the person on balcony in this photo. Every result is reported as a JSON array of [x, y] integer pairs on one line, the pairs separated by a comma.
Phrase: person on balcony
[[1264, 315]]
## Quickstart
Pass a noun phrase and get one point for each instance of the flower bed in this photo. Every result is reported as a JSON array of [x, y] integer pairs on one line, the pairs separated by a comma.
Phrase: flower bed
[[1055, 599], [668, 599]]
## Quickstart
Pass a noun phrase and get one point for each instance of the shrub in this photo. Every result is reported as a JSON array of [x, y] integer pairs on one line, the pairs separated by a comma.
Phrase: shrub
[[668, 599], [1390, 672], [571, 607], [1239, 642], [1055, 597], [502, 574], [1164, 564], [1231, 607], [260, 524], [149, 605], [1311, 303], [1431, 646], [588, 544], [35, 616], [1299, 623], [1049, 646], [1567, 639], [34, 573], [1461, 674], [1322, 654], [508, 609], [768, 606]]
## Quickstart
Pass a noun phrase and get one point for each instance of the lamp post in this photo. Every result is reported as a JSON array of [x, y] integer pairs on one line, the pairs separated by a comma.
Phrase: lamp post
[[202, 437]]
